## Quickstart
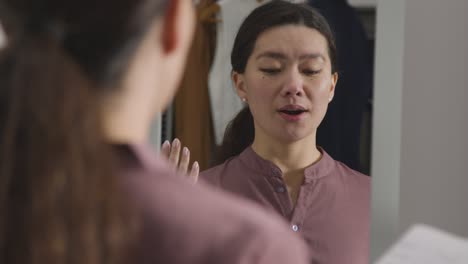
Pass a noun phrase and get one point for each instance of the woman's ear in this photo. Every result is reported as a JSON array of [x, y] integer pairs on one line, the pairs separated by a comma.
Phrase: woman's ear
[[239, 84], [334, 81], [178, 25]]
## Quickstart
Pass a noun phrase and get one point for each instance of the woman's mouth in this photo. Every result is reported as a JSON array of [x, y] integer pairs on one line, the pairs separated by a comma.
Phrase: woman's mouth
[[292, 112]]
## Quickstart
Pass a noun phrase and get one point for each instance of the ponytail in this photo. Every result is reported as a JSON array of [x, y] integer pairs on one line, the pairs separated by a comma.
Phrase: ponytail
[[238, 136], [59, 199]]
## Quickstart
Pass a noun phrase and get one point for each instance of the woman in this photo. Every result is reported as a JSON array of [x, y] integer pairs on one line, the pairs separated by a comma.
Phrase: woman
[[81, 82], [283, 63]]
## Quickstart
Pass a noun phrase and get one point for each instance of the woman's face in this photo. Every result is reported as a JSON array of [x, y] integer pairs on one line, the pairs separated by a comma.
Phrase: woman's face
[[288, 82]]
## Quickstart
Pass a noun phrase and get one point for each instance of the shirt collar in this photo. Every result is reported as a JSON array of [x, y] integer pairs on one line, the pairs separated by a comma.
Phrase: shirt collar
[[319, 169]]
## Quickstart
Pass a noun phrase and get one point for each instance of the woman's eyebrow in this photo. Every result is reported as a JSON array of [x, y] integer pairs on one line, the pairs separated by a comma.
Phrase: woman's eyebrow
[[272, 55], [281, 56]]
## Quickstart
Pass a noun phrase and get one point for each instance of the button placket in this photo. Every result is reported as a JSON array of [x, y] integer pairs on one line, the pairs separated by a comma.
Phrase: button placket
[[295, 228], [281, 192], [301, 207], [280, 189], [277, 181]]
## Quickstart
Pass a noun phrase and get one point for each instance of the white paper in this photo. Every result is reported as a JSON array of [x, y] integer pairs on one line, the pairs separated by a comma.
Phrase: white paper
[[427, 245]]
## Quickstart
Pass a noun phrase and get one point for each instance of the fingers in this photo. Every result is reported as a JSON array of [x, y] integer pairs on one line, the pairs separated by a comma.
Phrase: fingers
[[166, 149], [184, 161], [180, 159], [193, 175], [175, 152]]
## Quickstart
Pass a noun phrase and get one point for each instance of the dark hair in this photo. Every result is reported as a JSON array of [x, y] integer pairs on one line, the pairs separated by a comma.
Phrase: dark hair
[[59, 199], [240, 132]]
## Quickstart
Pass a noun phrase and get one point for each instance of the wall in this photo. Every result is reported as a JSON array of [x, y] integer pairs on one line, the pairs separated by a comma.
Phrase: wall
[[363, 3], [420, 146]]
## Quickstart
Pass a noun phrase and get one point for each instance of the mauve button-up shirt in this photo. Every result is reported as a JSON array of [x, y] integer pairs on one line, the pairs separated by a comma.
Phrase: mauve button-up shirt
[[195, 224], [331, 213]]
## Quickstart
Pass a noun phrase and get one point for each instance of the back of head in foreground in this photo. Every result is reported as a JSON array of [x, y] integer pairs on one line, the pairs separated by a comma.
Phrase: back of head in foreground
[[77, 77]]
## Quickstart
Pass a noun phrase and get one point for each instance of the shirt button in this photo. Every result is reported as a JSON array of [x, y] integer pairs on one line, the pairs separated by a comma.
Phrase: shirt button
[[295, 228], [280, 189]]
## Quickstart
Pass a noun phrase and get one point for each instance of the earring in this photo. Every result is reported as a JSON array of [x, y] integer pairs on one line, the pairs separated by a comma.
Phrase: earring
[[244, 100]]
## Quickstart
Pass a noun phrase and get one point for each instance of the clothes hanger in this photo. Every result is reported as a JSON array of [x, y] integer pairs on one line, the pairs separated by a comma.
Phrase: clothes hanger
[[207, 14]]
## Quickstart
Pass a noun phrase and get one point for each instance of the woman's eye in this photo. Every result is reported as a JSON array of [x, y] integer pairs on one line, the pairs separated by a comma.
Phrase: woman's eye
[[311, 72], [270, 70]]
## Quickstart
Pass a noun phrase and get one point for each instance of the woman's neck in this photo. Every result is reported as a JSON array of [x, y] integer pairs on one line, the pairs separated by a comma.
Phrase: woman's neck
[[126, 122], [289, 157]]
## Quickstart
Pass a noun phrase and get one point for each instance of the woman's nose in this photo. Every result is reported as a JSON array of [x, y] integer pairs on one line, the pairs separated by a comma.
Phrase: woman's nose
[[294, 84]]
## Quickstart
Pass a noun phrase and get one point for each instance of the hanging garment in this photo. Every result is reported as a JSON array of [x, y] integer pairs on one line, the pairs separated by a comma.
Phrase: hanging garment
[[2, 37], [340, 132], [192, 124], [224, 101]]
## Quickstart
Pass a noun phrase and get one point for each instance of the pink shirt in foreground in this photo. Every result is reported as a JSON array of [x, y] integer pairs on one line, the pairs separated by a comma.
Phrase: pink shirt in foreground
[[185, 223]]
